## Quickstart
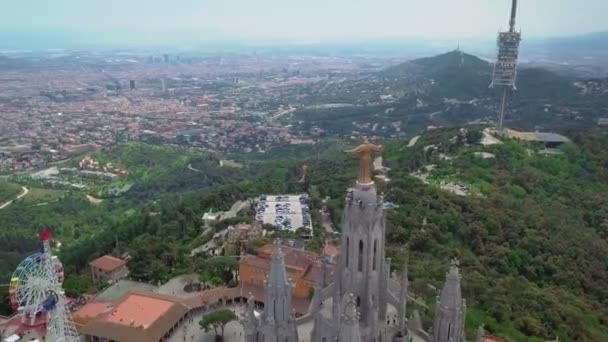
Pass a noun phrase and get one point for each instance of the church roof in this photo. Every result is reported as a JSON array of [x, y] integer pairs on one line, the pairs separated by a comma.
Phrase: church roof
[[293, 257]]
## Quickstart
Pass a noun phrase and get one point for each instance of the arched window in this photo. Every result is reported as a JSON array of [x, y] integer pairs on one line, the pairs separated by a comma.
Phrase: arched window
[[324, 340], [374, 260], [360, 266], [347, 250]]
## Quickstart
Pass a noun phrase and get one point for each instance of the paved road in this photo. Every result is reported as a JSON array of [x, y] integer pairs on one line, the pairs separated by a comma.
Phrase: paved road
[[25, 191]]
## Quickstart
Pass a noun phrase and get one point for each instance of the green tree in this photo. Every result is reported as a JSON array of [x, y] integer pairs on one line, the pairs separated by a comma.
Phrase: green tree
[[218, 270], [217, 321], [77, 285]]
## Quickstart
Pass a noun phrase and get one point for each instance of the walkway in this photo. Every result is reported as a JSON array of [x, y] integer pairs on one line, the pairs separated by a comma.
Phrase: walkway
[[190, 331], [25, 191]]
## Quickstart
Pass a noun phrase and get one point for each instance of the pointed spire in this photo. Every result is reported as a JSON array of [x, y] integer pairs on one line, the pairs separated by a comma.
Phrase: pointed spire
[[451, 308], [277, 276], [349, 323], [277, 320], [403, 300], [315, 304], [324, 262], [250, 322]]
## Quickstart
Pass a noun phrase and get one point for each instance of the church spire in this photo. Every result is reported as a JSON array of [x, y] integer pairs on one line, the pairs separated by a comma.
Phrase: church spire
[[277, 278], [450, 313], [403, 301], [349, 323], [250, 322], [278, 322]]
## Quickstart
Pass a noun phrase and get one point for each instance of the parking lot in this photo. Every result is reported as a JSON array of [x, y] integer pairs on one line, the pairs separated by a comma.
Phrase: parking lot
[[288, 212]]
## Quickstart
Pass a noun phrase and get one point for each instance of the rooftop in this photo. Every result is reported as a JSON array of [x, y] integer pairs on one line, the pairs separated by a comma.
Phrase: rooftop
[[138, 316], [107, 263], [90, 311], [294, 257], [120, 288], [537, 136], [139, 310]]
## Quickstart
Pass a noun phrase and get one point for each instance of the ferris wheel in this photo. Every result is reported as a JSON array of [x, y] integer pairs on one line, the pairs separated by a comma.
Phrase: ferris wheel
[[32, 285], [35, 290]]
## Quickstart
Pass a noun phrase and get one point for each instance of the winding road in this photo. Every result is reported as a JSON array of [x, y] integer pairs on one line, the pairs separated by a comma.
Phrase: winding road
[[25, 191]]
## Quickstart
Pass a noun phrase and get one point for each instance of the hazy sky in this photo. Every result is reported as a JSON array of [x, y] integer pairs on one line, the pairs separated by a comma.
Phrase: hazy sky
[[314, 20]]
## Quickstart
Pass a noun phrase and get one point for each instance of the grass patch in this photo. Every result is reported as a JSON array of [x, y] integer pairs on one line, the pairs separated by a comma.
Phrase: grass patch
[[8, 191], [231, 163], [38, 195]]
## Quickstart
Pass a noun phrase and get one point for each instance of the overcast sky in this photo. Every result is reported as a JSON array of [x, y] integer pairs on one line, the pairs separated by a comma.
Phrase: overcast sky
[[298, 20]]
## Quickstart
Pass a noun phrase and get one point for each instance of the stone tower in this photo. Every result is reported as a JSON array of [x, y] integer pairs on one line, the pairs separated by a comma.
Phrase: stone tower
[[349, 327], [362, 268], [362, 272], [451, 309], [277, 322], [250, 322]]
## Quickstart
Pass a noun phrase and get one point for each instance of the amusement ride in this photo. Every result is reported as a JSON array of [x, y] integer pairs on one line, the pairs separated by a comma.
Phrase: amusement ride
[[36, 294]]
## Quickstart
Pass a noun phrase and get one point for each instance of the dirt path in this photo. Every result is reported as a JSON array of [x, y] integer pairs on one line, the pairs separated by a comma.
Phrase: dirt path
[[196, 170], [94, 200], [25, 191]]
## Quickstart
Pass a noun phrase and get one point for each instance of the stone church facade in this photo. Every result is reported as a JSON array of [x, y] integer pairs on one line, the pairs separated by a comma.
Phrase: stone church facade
[[360, 301]]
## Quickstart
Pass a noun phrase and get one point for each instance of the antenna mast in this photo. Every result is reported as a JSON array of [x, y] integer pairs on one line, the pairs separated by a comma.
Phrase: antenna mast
[[505, 68]]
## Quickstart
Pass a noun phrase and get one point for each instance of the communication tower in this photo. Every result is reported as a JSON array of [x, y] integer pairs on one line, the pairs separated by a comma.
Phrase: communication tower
[[505, 68]]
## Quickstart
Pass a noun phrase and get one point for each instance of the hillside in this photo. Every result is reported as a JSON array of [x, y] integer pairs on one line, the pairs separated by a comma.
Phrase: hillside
[[90, 225], [444, 90], [532, 237]]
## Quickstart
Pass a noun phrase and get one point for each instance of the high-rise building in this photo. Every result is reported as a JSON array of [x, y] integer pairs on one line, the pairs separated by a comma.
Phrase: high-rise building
[[132, 84]]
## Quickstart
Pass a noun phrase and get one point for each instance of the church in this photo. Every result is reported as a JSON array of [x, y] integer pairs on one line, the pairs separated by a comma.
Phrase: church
[[362, 301]]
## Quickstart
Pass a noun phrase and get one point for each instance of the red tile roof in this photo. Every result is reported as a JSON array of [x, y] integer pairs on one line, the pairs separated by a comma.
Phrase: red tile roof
[[138, 316], [90, 311], [211, 296], [300, 305], [107, 263], [294, 258]]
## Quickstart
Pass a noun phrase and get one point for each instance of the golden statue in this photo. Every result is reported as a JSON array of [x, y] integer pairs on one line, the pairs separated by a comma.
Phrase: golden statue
[[365, 152]]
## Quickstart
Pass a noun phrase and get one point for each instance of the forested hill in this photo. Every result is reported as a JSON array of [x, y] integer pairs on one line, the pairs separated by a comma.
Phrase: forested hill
[[459, 75], [450, 89], [532, 235], [530, 226]]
